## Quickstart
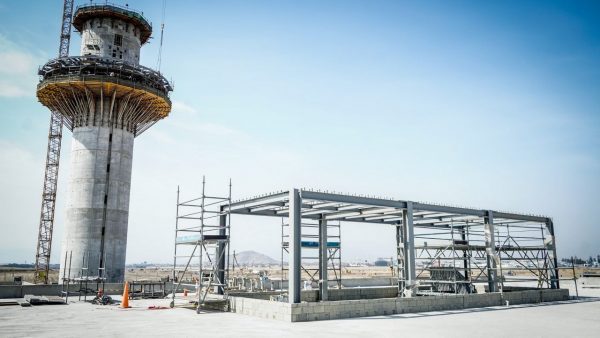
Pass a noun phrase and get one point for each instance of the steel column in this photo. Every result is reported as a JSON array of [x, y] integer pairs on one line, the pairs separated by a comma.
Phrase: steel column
[[490, 243], [295, 220], [551, 247], [466, 268], [400, 273], [408, 237], [220, 255], [323, 259]]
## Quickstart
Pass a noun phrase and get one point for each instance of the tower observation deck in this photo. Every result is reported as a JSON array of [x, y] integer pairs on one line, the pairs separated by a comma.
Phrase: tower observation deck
[[106, 99]]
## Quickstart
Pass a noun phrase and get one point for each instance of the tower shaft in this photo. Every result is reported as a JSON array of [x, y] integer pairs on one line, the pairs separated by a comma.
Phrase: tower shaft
[[97, 208], [106, 99]]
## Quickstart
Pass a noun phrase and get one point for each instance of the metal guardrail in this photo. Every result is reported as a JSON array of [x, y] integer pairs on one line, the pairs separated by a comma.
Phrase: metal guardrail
[[125, 10], [92, 66]]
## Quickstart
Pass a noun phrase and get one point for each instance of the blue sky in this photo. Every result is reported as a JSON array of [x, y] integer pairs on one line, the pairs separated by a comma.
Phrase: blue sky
[[489, 105]]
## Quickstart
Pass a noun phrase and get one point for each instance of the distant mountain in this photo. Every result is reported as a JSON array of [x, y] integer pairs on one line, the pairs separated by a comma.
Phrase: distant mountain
[[253, 258]]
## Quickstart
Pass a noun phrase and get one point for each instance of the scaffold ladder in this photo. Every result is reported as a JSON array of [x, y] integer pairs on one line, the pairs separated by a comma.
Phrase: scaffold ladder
[[310, 251]]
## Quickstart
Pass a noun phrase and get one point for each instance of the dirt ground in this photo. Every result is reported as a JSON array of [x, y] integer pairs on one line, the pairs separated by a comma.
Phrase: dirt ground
[[273, 272]]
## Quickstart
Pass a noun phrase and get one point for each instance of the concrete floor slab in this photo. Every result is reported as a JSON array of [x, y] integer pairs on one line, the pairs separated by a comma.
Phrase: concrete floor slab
[[570, 318]]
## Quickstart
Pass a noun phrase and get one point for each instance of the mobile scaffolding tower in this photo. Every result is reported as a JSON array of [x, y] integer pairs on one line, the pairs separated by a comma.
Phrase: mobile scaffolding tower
[[201, 250]]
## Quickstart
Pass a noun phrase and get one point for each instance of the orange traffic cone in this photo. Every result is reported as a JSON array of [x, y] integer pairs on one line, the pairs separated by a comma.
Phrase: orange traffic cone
[[125, 300]]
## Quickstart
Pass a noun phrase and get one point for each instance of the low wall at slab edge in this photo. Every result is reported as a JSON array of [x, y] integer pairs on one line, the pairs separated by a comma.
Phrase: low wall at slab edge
[[310, 311], [19, 291]]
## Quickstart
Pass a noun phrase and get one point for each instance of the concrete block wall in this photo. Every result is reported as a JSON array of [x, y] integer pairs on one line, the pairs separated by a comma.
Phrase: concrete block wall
[[363, 293], [305, 295], [522, 297], [343, 309], [261, 308], [482, 300], [535, 296], [554, 295], [309, 311]]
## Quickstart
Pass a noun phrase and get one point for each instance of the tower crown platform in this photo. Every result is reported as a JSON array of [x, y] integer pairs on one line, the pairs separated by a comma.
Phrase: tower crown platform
[[106, 86], [91, 90]]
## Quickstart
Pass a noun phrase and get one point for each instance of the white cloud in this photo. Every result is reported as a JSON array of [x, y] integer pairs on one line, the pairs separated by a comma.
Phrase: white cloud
[[21, 183], [16, 62], [162, 137], [13, 90], [181, 107], [18, 69], [206, 128], [190, 124], [188, 130]]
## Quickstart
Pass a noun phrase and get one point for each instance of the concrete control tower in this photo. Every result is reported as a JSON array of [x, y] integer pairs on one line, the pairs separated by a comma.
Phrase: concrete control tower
[[106, 99]]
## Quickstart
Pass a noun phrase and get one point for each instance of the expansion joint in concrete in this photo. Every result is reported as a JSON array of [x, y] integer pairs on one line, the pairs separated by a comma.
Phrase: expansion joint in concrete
[[108, 158]]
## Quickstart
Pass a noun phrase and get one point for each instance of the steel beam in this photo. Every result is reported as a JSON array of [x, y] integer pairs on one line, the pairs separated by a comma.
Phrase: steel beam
[[295, 220], [379, 202], [530, 218], [285, 213], [446, 209], [316, 209], [372, 212], [258, 201]]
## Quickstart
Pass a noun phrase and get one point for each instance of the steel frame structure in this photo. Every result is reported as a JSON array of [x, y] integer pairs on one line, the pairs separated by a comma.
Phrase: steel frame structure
[[476, 244]]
